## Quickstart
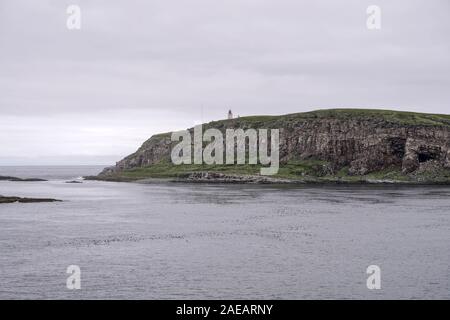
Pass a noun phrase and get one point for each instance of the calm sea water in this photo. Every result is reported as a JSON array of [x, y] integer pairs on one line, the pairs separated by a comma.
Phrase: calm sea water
[[191, 241]]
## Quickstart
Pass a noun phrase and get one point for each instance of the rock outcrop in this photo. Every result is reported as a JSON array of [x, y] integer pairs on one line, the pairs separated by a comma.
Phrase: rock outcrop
[[4, 199], [8, 178], [224, 178], [357, 141]]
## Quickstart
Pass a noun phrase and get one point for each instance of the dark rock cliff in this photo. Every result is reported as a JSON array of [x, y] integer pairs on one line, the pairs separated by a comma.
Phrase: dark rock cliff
[[362, 141]]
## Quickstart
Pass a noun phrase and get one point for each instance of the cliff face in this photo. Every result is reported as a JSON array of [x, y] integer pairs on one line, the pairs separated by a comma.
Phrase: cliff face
[[359, 141], [366, 145]]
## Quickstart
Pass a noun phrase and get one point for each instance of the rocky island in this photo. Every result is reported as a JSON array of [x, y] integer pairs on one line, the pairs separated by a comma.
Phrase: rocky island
[[15, 179], [4, 199], [323, 146]]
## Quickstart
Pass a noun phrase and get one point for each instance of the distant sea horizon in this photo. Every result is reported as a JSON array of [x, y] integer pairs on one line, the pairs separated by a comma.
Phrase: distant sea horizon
[[50, 172]]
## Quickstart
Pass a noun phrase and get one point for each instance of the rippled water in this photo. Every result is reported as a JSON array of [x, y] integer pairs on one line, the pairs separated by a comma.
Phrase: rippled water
[[194, 241]]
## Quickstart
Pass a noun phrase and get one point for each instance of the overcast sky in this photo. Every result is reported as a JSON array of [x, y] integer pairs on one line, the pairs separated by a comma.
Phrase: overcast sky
[[137, 68]]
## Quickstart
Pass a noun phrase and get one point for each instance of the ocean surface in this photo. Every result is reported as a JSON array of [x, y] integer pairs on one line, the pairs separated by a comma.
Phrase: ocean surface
[[198, 241]]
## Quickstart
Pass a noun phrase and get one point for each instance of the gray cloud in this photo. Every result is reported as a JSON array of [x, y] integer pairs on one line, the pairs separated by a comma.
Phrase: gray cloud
[[141, 67]]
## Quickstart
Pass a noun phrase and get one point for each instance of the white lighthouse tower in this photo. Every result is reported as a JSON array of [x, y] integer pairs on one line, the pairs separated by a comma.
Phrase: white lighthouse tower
[[230, 114]]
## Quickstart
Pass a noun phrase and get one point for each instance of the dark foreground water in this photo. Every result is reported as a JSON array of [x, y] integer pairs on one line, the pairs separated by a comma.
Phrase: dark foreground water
[[221, 242]]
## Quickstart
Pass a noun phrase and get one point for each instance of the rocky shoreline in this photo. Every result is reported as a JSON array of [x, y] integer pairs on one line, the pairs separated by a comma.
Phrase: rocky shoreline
[[220, 178], [216, 177]]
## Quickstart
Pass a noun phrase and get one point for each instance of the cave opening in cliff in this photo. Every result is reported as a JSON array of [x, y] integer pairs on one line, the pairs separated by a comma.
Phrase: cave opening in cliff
[[427, 155]]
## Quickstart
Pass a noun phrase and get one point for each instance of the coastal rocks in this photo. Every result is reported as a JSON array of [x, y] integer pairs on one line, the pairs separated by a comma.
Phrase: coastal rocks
[[431, 172], [8, 178], [153, 150], [108, 170], [4, 199], [216, 177]]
